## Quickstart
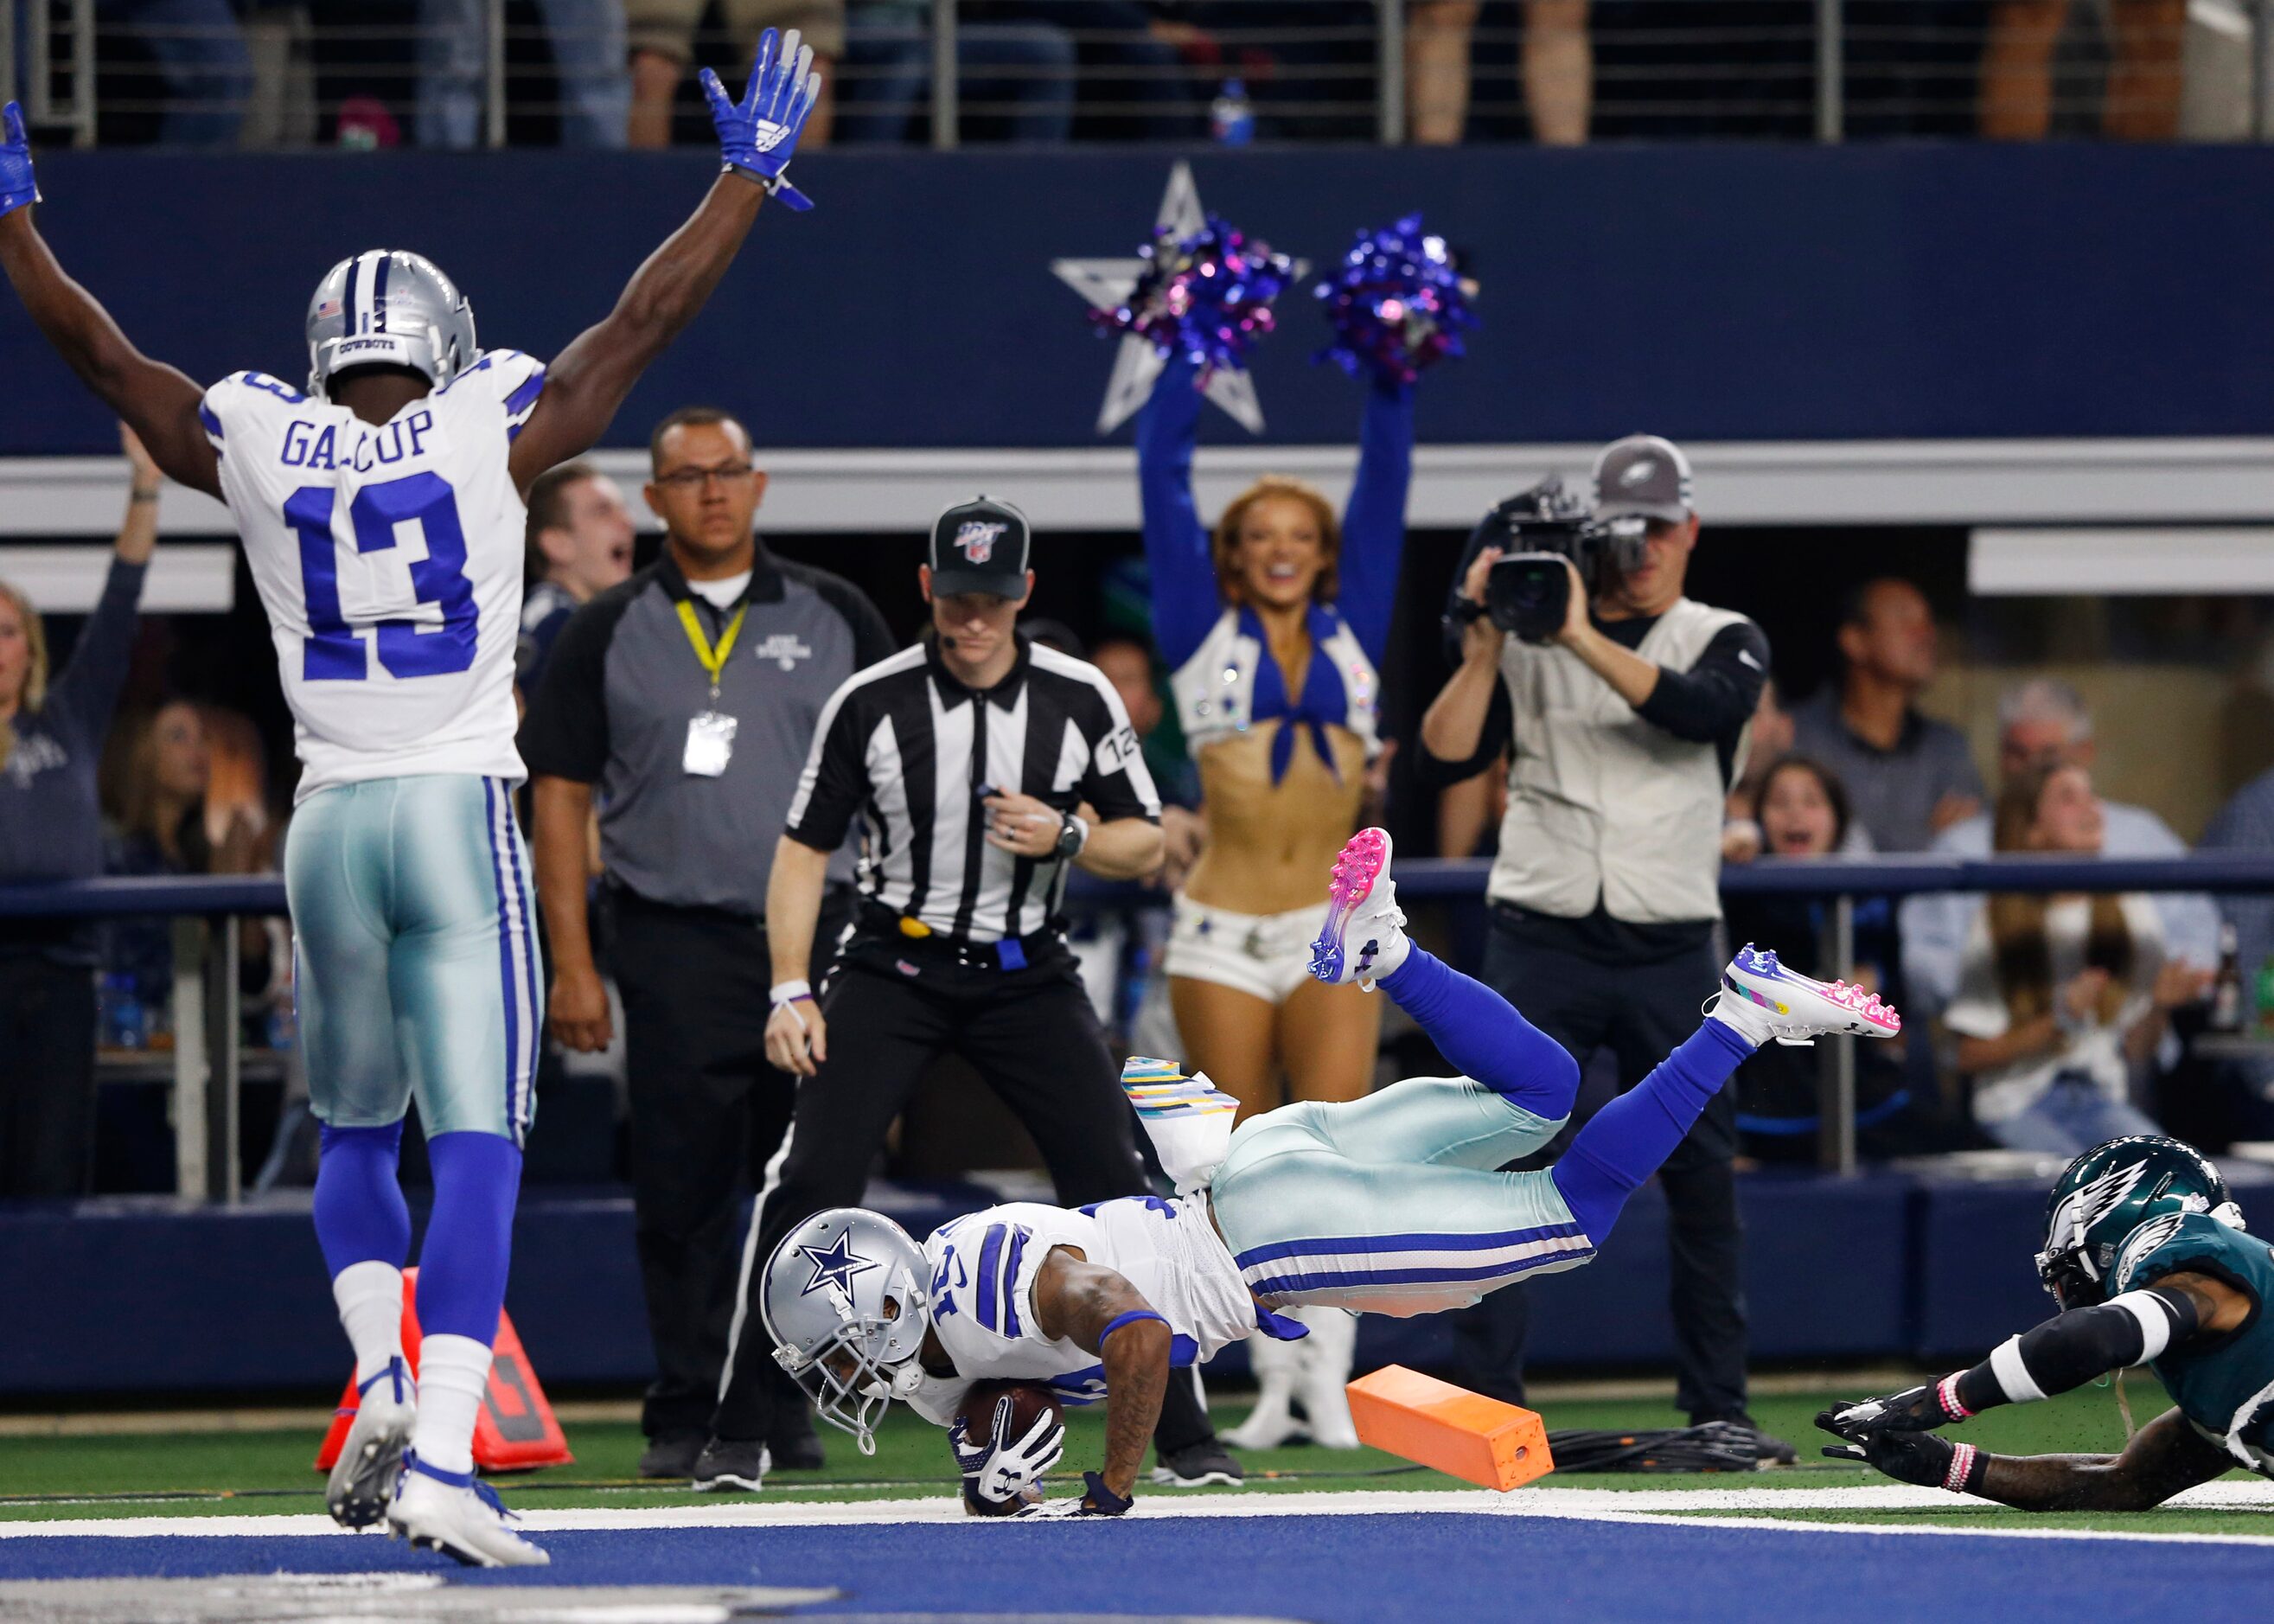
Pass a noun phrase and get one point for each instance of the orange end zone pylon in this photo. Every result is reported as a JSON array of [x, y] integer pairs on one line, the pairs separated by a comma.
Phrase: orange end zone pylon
[[1466, 1434], [515, 1430]]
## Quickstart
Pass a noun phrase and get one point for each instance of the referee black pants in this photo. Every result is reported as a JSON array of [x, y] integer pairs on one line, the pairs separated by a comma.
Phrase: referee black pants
[[1639, 1012], [707, 1114], [893, 1008]]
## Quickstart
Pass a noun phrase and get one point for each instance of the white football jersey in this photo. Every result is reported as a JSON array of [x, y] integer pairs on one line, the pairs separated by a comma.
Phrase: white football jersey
[[982, 1291], [389, 559]]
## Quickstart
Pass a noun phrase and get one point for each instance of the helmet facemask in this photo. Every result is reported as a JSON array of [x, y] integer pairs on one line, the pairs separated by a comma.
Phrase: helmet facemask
[[847, 1375]]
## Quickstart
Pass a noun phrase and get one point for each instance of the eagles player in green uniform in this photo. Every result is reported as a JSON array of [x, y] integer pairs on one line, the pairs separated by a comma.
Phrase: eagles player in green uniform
[[2146, 1254]]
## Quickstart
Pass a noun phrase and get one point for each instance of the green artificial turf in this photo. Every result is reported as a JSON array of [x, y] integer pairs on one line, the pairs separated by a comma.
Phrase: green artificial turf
[[206, 1473]]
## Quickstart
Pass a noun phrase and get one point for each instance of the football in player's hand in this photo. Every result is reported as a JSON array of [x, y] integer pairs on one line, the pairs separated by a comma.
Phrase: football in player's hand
[[982, 1409], [1008, 1410]]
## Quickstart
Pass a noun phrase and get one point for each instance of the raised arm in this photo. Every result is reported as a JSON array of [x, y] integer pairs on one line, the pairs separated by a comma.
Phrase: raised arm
[[588, 379], [157, 402], [1184, 599], [1373, 524]]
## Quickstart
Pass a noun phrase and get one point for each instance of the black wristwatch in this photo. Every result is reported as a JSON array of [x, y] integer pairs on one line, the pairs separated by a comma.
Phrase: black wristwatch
[[1073, 834]]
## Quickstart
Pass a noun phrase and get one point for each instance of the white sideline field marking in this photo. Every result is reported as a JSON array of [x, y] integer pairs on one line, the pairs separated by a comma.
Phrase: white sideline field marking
[[1663, 1506]]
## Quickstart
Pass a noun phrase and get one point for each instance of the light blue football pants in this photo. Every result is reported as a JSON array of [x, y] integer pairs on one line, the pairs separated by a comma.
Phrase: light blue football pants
[[417, 972], [1394, 1204]]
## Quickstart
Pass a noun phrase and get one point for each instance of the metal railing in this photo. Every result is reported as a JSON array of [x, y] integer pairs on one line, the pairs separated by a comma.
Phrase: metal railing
[[474, 72], [207, 1061]]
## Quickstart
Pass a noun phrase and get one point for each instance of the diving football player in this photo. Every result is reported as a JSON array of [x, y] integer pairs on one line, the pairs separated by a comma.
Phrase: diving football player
[[1391, 1204], [382, 510], [2147, 1255]]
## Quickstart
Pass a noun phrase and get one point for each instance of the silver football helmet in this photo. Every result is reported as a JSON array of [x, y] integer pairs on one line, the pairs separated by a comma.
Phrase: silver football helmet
[[844, 1304], [387, 308]]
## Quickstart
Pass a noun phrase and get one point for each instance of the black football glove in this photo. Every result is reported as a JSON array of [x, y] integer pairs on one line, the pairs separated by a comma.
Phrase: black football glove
[[1915, 1409], [1922, 1458]]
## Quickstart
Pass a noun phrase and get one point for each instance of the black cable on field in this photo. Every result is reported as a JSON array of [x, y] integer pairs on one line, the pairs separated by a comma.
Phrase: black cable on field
[[1715, 1446]]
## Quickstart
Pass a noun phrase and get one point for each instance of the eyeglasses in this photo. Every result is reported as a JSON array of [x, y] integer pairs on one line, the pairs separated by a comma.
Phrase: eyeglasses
[[692, 480]]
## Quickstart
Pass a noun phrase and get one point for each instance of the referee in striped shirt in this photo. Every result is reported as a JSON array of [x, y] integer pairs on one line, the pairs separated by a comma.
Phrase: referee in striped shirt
[[984, 767]]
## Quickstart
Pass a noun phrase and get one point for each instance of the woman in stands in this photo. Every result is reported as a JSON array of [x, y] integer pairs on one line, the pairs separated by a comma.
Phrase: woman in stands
[[51, 730], [1273, 627], [2062, 998]]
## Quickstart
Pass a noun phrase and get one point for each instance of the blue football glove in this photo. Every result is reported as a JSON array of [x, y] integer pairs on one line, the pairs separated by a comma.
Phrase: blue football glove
[[17, 186], [757, 134]]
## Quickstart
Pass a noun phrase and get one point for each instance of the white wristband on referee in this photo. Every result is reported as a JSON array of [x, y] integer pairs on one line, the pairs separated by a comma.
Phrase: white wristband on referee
[[790, 991]]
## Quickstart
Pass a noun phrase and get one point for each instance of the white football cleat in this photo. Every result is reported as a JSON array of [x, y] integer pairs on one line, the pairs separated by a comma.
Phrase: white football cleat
[[459, 1515], [1763, 1000], [371, 1460], [1364, 937]]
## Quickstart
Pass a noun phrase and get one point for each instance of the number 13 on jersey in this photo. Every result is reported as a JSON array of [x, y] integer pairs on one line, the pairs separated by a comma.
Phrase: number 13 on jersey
[[406, 647]]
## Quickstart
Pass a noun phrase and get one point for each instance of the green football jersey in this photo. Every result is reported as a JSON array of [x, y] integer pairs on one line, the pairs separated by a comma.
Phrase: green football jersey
[[2223, 1385]]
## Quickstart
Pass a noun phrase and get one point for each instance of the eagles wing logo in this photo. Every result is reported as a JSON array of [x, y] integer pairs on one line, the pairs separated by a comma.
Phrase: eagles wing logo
[[834, 1265], [2144, 1240], [2088, 1203], [976, 539], [1638, 472]]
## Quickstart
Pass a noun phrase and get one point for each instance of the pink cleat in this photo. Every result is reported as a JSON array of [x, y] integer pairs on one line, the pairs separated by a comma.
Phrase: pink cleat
[[1364, 937]]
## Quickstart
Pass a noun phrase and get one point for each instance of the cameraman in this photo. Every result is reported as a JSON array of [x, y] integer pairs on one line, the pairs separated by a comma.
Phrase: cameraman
[[1626, 708]]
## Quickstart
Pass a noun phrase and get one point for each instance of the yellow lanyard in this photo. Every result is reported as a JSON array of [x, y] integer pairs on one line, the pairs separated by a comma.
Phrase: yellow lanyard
[[714, 660]]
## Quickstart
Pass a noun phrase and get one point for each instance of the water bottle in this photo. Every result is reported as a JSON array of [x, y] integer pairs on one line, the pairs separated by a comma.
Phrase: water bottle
[[1231, 117]]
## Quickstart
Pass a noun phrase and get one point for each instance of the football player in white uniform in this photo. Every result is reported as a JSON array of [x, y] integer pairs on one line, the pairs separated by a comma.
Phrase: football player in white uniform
[[382, 511], [1392, 1205]]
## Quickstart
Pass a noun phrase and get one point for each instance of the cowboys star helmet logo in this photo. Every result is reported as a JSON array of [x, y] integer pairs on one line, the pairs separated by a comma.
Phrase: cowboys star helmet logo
[[976, 539], [834, 1265]]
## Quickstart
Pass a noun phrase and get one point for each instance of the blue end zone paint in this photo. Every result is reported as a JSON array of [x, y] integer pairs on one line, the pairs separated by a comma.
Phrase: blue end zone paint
[[1356, 1569]]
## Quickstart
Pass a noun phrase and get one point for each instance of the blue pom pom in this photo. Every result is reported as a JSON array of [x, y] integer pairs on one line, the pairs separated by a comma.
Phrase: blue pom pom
[[1397, 304], [1206, 297]]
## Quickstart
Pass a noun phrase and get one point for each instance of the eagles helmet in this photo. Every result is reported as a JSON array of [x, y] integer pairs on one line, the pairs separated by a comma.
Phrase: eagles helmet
[[844, 1302], [2106, 1196], [387, 308]]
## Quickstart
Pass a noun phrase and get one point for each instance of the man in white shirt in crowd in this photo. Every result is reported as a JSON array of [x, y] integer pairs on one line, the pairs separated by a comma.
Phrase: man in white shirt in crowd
[[2044, 719]]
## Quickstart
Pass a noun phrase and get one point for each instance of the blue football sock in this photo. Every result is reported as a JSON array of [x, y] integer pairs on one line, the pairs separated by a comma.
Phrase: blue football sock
[[461, 1266], [360, 1214], [1631, 1138], [1482, 1035]]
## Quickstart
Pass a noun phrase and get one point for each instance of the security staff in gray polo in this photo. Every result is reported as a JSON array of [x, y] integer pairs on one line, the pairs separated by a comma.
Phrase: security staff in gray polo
[[687, 697], [1623, 725]]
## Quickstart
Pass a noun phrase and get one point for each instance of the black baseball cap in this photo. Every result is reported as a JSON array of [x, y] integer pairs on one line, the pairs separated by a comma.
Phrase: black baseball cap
[[980, 546]]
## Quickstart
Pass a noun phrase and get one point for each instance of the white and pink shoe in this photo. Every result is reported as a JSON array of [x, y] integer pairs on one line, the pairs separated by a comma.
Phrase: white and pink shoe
[[1364, 937], [1763, 1000]]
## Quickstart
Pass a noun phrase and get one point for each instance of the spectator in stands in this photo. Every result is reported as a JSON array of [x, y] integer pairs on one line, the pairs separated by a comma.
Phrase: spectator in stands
[[51, 733], [580, 543], [1623, 730], [1014, 77], [1559, 70], [1800, 807], [164, 824], [2062, 998], [2246, 823], [662, 36], [1142, 62], [2141, 102], [1128, 665], [205, 72], [1771, 742], [2042, 721], [587, 37], [1908, 777]]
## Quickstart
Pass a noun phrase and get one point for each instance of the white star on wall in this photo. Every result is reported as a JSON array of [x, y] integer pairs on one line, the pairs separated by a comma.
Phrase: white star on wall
[[1137, 365]]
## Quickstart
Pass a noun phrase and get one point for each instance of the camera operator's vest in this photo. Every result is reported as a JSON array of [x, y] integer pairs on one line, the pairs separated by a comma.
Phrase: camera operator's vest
[[1602, 804]]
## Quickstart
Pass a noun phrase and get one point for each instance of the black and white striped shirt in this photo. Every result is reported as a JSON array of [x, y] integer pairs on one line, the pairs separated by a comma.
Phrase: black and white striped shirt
[[911, 750]]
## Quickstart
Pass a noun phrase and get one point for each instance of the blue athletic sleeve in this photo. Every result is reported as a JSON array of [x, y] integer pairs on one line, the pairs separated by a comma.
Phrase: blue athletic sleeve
[[1373, 524], [1184, 599]]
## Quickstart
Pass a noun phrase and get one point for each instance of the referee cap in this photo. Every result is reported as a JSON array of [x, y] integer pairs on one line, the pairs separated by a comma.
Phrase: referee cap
[[980, 546], [1646, 475]]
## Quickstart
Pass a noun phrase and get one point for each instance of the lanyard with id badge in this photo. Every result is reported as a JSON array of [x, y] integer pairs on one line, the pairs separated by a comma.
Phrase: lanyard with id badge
[[710, 734]]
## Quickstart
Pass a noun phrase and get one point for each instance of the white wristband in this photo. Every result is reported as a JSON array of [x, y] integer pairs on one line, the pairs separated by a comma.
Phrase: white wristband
[[790, 991]]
